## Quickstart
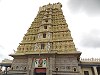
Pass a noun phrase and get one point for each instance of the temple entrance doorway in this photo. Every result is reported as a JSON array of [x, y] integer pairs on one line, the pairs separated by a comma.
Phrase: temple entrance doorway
[[40, 71]]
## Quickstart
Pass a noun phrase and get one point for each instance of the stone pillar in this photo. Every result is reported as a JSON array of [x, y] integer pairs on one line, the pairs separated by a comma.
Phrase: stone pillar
[[29, 66], [95, 70], [80, 70], [6, 70], [33, 66], [50, 66], [47, 68]]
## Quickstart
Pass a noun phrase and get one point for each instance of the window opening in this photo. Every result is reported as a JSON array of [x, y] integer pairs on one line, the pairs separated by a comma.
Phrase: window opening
[[86, 72], [47, 16], [74, 69], [12, 68], [34, 37], [47, 11], [24, 68], [46, 20], [45, 27], [16, 67], [44, 35], [42, 46]]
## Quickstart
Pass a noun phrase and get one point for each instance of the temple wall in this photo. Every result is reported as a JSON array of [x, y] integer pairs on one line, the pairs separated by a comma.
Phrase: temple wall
[[66, 64], [19, 66]]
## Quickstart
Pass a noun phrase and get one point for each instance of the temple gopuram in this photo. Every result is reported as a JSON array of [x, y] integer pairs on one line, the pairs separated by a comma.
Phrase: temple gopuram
[[48, 48]]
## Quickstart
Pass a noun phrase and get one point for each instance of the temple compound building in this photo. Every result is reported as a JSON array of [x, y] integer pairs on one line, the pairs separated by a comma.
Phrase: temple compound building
[[48, 48]]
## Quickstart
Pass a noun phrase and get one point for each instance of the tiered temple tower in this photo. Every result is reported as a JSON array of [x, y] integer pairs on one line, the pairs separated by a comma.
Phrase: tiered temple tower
[[47, 48]]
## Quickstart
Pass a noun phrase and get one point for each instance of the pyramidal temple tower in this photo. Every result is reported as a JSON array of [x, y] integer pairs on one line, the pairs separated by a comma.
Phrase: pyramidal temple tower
[[47, 48]]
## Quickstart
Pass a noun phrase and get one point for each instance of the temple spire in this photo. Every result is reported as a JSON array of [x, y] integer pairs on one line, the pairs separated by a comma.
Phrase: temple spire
[[48, 33]]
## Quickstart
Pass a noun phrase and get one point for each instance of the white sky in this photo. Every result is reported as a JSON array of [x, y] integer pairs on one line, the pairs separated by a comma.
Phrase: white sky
[[16, 17]]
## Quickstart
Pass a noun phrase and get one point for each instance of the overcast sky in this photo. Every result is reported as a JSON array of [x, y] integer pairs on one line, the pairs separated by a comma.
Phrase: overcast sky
[[82, 16]]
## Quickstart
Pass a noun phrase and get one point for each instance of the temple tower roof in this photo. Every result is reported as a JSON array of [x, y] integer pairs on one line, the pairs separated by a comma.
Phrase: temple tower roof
[[48, 33]]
